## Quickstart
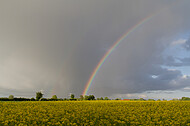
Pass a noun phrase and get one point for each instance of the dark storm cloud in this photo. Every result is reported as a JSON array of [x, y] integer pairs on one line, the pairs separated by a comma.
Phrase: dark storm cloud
[[158, 92], [141, 57], [55, 45]]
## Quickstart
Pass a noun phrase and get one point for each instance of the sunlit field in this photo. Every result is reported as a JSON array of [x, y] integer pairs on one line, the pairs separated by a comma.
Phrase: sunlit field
[[95, 113]]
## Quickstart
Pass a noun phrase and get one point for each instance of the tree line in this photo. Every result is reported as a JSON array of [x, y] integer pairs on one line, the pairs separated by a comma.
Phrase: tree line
[[39, 97]]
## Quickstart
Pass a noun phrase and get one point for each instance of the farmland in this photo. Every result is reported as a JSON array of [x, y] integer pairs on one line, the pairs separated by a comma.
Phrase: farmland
[[95, 113]]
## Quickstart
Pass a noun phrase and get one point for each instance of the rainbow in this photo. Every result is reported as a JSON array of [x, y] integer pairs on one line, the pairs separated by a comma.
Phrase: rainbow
[[108, 53]]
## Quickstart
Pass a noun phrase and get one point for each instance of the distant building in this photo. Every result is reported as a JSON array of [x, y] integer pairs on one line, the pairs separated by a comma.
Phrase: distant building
[[126, 99]]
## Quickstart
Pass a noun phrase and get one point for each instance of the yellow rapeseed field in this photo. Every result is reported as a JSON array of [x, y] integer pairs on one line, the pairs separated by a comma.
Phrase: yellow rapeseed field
[[95, 113]]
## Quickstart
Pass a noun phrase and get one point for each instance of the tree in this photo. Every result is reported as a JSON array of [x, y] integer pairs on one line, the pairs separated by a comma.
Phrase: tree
[[54, 97], [85, 97], [32, 99], [39, 95], [175, 99], [164, 99], [65, 99], [91, 97], [11, 97], [43, 99], [151, 100], [185, 98], [101, 98], [106, 98], [81, 97], [142, 99], [72, 96], [118, 99]]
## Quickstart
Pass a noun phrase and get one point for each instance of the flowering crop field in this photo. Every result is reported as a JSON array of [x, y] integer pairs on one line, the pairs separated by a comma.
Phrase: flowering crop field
[[95, 113]]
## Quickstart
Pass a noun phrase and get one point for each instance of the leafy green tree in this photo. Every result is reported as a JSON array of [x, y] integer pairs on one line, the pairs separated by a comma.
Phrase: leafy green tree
[[175, 99], [72, 96], [151, 100], [91, 97], [43, 99], [106, 98], [185, 98], [39, 95], [142, 99], [85, 97], [81, 97], [101, 98], [65, 99], [11, 97], [54, 97], [32, 99], [118, 99]]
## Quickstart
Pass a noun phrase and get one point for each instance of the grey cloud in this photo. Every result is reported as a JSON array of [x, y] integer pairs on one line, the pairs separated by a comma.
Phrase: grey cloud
[[185, 61], [187, 45], [171, 61], [160, 91], [186, 89]]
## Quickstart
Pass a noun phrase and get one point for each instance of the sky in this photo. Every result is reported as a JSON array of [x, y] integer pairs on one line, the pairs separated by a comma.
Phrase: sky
[[54, 46]]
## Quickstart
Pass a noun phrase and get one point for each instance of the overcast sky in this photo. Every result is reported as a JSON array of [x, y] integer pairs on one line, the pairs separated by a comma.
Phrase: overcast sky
[[54, 45]]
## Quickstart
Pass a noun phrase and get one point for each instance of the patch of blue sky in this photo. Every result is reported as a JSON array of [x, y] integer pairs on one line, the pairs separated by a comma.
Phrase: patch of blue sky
[[185, 70], [177, 51]]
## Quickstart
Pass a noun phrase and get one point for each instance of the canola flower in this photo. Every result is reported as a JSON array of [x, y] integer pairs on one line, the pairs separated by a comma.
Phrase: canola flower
[[90, 113]]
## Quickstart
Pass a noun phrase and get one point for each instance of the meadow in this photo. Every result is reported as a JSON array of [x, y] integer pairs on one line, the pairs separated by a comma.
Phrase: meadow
[[95, 113]]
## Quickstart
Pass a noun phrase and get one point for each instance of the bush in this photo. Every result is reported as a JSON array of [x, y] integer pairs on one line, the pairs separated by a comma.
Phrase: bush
[[43, 99], [72, 99], [21, 99], [32, 99], [118, 99], [4, 99]]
